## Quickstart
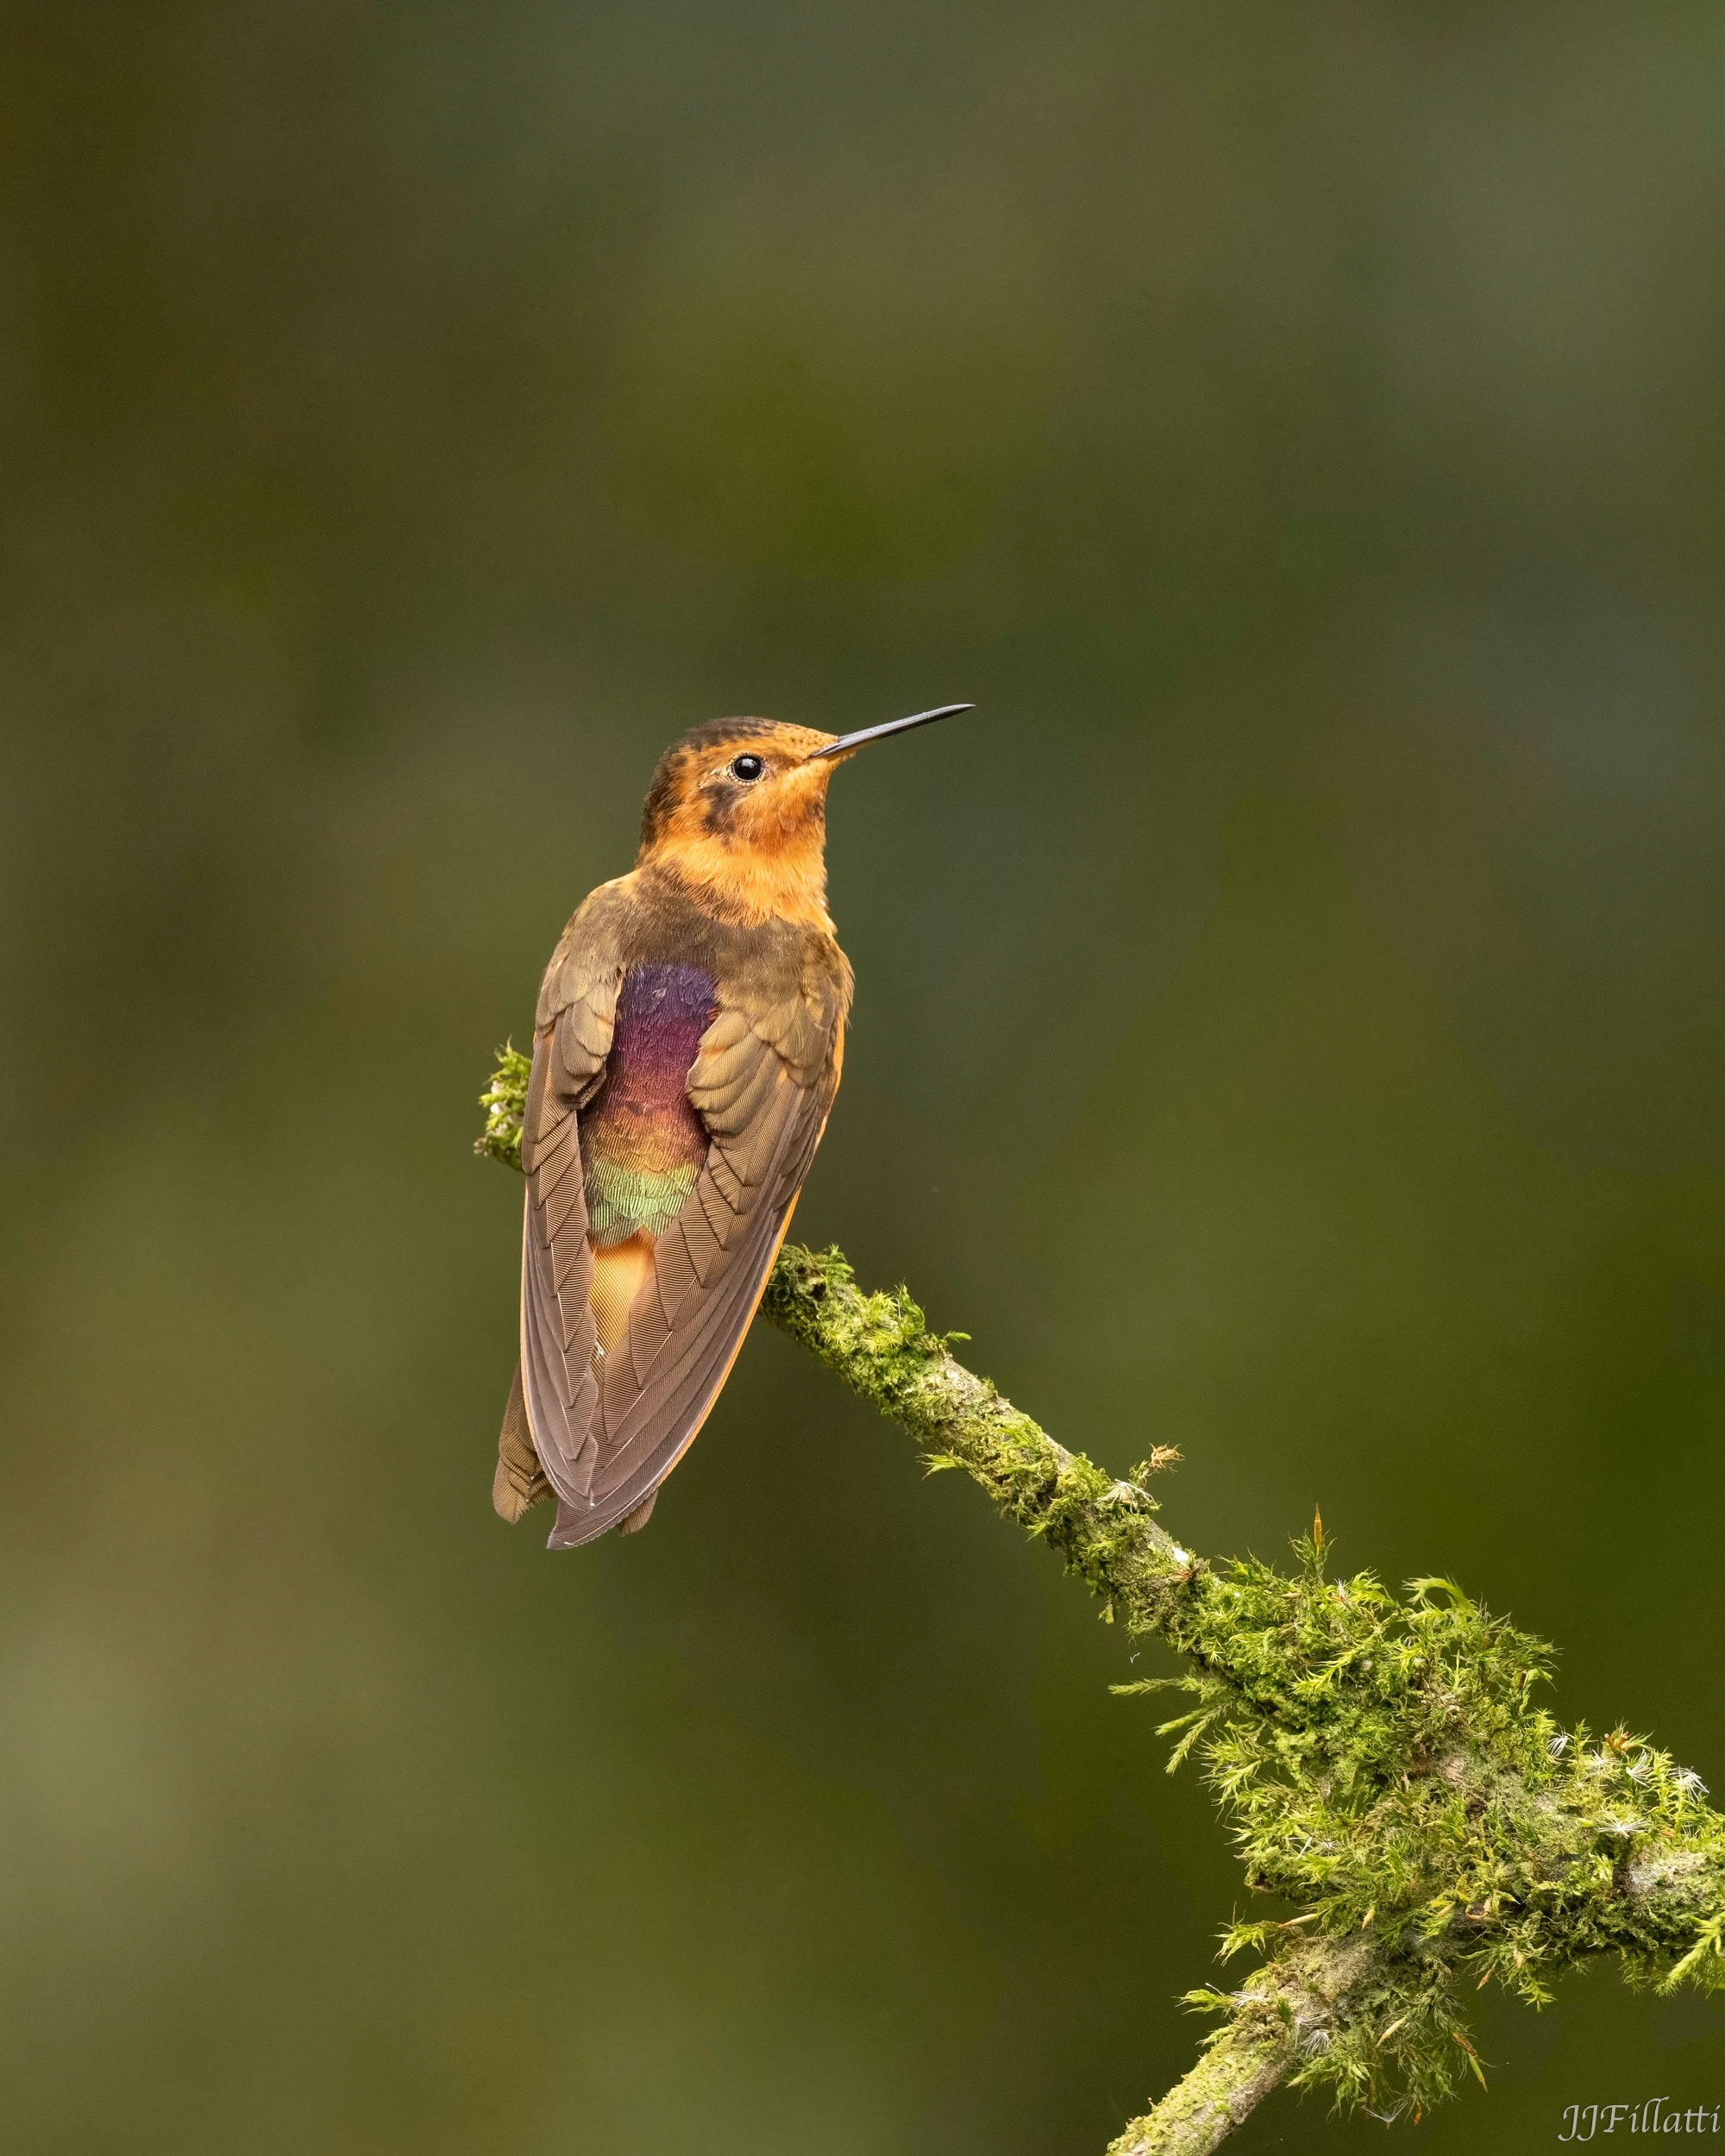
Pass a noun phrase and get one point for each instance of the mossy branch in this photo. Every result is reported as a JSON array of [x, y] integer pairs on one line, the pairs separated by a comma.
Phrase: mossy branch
[[1381, 1761]]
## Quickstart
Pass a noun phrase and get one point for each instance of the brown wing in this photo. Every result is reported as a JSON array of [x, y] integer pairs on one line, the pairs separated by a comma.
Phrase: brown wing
[[558, 1389], [763, 1083]]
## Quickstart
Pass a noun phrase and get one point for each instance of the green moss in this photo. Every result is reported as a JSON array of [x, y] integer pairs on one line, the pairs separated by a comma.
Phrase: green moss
[[505, 1101], [1383, 1763]]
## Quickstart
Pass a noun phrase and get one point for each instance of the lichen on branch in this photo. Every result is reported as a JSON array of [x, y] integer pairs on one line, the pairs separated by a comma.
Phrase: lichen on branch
[[1383, 1763]]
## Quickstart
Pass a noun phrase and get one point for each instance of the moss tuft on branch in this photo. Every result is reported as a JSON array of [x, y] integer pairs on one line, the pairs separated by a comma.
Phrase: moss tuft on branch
[[505, 1101]]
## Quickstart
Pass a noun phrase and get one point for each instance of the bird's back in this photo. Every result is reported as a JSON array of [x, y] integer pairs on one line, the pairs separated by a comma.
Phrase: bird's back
[[683, 1069]]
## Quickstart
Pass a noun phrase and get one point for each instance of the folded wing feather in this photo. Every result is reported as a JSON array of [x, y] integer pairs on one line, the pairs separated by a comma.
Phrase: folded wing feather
[[571, 1040]]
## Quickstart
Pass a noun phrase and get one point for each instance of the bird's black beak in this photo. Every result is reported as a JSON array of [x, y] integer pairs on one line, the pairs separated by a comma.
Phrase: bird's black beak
[[847, 741]]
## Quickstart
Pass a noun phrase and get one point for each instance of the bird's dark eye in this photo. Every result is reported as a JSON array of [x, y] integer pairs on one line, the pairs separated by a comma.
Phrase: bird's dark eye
[[748, 767]]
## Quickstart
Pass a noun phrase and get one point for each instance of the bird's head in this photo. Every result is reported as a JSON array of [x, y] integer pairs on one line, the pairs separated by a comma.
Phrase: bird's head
[[738, 812]]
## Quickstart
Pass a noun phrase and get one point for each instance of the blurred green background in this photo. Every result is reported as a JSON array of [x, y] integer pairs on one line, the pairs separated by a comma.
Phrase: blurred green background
[[1290, 1023]]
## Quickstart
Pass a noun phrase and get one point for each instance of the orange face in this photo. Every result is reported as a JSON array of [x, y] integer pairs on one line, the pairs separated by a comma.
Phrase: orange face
[[737, 810]]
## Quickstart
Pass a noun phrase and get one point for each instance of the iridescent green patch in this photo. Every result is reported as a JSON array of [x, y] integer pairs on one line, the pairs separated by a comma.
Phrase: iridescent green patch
[[621, 1199]]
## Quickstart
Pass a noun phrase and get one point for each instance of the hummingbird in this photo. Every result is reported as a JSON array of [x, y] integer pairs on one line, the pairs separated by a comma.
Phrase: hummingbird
[[686, 1048]]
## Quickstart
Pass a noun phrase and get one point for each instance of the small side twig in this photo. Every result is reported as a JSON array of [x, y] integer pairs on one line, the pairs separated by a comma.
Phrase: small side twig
[[1284, 2016]]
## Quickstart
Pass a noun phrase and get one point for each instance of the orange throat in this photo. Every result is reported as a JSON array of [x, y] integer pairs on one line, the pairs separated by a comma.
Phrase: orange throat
[[746, 884]]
